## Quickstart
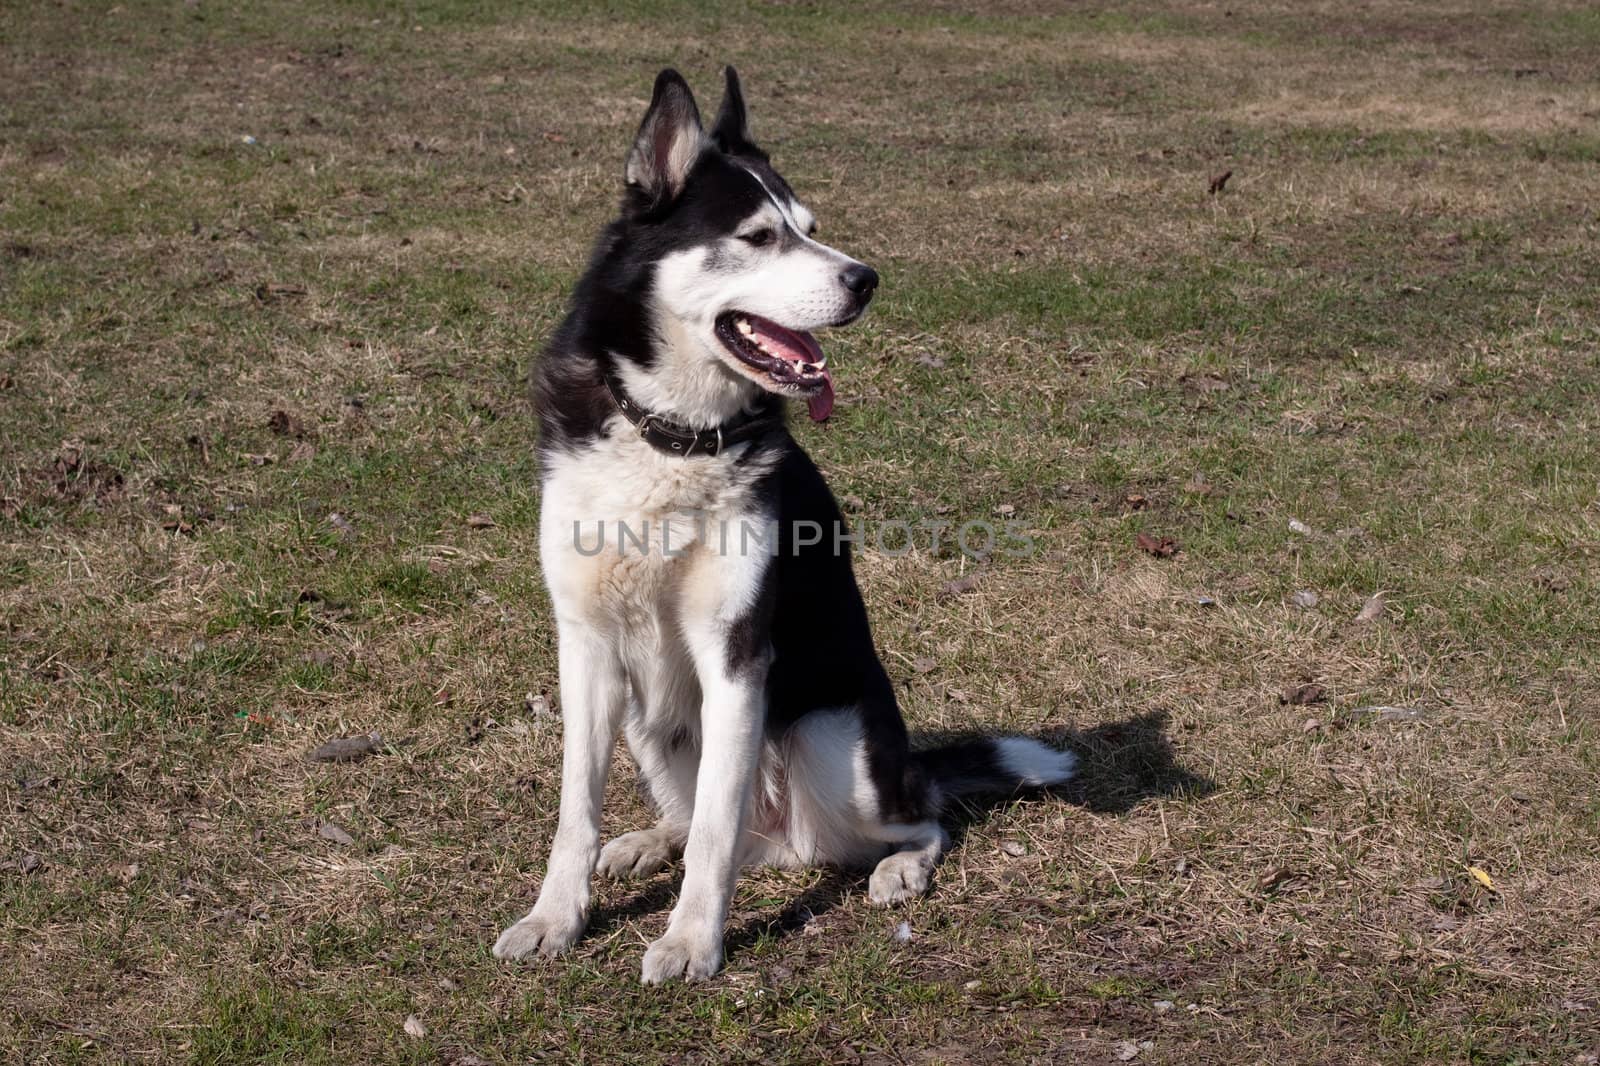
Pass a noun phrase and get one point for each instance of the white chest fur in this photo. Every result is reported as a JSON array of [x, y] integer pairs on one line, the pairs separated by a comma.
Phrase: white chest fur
[[624, 528]]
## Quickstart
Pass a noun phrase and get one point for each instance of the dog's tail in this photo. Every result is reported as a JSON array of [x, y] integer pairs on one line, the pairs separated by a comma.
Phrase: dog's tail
[[995, 764]]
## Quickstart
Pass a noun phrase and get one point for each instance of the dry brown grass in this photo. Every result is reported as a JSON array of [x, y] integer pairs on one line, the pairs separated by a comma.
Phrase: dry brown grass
[[1383, 327]]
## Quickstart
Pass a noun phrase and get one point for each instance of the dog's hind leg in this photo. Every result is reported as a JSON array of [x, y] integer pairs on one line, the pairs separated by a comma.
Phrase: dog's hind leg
[[667, 758], [593, 693], [907, 872], [982, 764]]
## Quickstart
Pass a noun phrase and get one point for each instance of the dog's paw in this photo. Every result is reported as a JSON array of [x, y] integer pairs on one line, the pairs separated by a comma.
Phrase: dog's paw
[[899, 877], [679, 956], [637, 854], [537, 934]]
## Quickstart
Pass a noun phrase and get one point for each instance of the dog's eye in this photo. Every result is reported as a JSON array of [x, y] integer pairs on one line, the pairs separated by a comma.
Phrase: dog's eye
[[758, 238]]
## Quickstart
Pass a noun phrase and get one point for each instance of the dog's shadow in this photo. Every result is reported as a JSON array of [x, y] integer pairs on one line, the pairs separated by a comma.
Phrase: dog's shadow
[[1120, 765]]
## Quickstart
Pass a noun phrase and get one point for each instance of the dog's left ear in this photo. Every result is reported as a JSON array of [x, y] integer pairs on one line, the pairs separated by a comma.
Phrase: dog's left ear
[[731, 131], [669, 141]]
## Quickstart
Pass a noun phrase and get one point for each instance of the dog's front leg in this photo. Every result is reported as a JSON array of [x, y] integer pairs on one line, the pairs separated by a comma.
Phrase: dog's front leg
[[593, 695], [732, 719], [724, 616]]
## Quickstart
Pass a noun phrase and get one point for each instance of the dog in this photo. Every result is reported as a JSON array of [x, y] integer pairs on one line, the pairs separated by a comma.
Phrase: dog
[[698, 611]]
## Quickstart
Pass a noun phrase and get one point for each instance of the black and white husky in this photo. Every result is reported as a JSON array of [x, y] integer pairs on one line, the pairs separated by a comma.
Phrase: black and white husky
[[699, 611]]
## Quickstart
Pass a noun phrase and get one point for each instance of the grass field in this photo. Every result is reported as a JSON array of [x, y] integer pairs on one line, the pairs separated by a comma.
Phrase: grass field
[[271, 280]]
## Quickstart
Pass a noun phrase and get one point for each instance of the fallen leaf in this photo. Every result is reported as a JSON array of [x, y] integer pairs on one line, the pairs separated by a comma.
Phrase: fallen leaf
[[342, 524], [303, 452], [347, 749], [1272, 879], [1373, 609], [285, 424], [1480, 875], [1218, 181], [1160, 547], [963, 585], [479, 521], [929, 360], [902, 933], [536, 704], [414, 1027], [1300, 695], [329, 831], [1554, 582], [1125, 1050], [1297, 526], [268, 291], [1135, 501], [1005, 509], [1304, 598], [1203, 383], [924, 664], [1014, 848]]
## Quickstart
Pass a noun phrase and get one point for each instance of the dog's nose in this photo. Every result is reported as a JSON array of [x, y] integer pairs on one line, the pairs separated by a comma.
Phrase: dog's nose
[[860, 279]]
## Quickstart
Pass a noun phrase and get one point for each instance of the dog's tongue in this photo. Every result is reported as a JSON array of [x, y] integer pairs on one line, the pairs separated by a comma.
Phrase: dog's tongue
[[797, 346], [821, 404]]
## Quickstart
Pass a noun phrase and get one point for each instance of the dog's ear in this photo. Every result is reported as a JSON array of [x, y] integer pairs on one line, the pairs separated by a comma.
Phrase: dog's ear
[[669, 141], [731, 131]]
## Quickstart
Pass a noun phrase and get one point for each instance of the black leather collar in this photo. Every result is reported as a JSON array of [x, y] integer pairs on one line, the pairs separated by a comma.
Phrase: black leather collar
[[670, 438]]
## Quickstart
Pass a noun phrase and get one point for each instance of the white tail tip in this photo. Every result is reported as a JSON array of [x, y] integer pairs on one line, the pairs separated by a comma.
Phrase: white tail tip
[[1033, 763]]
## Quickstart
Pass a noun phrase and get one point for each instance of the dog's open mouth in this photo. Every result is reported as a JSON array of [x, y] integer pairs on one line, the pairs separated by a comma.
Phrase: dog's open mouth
[[789, 360]]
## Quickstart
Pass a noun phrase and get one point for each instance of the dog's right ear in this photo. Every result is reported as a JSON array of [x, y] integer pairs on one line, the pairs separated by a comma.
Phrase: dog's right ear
[[731, 131], [669, 141]]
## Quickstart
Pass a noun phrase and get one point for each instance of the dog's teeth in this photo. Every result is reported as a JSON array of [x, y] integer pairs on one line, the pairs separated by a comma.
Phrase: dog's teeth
[[745, 327]]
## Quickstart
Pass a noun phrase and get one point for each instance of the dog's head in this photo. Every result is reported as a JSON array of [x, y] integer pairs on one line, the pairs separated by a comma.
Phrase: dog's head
[[739, 279]]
